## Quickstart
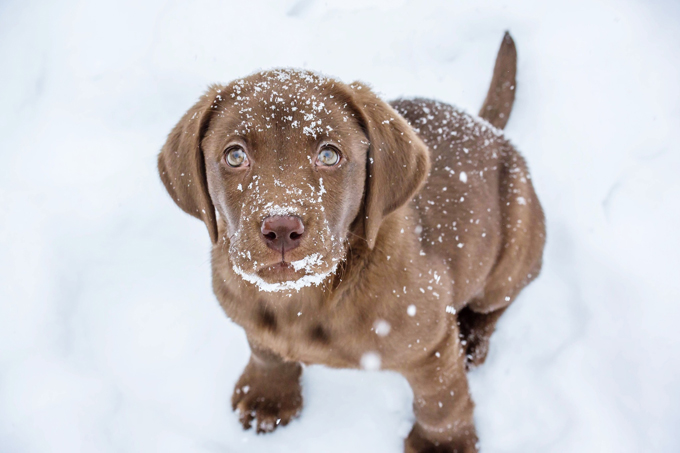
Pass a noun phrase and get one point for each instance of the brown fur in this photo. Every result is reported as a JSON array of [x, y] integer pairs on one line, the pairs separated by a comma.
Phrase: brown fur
[[429, 220], [498, 103]]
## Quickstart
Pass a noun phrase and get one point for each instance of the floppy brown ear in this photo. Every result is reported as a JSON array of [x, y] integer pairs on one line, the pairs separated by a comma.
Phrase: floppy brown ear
[[398, 161], [182, 166]]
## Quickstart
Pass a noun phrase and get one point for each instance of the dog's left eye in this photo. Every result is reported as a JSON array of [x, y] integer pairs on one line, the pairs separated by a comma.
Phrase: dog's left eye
[[328, 157]]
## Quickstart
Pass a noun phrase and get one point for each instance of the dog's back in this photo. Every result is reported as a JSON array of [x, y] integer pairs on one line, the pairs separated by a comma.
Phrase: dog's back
[[478, 200]]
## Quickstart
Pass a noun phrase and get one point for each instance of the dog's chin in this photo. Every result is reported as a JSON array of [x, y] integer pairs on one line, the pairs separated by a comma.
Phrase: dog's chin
[[312, 270], [280, 272]]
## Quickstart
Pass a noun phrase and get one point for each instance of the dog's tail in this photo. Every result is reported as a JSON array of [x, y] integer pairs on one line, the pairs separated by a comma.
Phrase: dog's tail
[[501, 95]]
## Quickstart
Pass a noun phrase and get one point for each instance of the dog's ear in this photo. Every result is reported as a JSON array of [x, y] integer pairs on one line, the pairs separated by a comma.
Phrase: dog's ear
[[398, 161], [181, 163]]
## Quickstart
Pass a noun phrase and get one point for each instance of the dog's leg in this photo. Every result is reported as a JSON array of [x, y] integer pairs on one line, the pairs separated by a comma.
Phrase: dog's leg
[[475, 331], [441, 402], [268, 392]]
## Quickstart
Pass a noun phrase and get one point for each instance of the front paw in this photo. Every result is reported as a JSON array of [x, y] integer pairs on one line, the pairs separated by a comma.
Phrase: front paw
[[459, 442], [269, 398]]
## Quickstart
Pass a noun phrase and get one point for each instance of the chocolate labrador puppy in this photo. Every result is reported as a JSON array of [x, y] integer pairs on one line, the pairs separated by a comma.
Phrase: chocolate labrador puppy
[[355, 233]]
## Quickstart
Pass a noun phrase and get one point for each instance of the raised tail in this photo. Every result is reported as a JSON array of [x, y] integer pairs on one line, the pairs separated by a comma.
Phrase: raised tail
[[501, 95]]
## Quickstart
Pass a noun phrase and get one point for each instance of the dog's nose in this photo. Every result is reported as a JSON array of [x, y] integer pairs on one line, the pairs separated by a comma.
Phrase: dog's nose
[[282, 233]]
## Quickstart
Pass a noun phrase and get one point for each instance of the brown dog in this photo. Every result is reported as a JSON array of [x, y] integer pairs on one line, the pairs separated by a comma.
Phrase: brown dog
[[353, 233]]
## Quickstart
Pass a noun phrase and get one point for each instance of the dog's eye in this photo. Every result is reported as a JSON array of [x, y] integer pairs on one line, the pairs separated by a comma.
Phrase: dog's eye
[[236, 157], [328, 157]]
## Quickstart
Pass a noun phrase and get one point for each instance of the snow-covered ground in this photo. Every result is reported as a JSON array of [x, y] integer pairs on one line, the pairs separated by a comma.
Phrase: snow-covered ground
[[110, 337]]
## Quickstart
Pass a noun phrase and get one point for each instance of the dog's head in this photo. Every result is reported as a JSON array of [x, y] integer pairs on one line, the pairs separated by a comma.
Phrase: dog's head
[[297, 166]]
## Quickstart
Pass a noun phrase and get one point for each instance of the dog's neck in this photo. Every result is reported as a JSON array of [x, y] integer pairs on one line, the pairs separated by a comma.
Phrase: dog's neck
[[362, 261]]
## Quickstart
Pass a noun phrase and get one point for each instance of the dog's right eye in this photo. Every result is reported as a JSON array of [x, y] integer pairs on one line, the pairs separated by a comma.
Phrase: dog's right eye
[[236, 157], [328, 157]]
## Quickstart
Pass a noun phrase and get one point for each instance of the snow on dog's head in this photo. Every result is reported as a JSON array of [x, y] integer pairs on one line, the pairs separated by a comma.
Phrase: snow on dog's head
[[278, 166]]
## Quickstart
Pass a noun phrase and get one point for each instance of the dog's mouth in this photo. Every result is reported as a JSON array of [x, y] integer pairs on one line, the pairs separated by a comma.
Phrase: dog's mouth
[[282, 269], [286, 276], [292, 270]]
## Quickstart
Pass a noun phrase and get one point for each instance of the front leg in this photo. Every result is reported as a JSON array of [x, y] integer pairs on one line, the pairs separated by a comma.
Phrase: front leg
[[441, 402], [268, 391]]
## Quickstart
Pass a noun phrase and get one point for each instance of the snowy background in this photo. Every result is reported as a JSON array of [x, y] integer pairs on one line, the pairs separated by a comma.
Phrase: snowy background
[[110, 337]]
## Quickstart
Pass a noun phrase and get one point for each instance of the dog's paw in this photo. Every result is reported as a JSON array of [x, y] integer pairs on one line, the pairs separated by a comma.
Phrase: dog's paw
[[265, 410], [416, 442], [266, 402]]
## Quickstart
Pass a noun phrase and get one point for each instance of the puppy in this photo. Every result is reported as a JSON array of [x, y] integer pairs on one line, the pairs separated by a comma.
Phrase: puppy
[[354, 233]]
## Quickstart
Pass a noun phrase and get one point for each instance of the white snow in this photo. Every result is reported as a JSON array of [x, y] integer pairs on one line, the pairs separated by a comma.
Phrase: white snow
[[273, 210], [307, 263], [110, 336], [382, 328], [290, 285], [370, 361]]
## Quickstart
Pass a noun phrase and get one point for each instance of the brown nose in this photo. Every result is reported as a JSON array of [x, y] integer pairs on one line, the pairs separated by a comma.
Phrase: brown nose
[[282, 233]]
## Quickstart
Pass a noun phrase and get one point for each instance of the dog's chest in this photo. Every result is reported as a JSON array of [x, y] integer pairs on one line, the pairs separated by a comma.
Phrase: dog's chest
[[396, 314], [390, 329], [309, 335]]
